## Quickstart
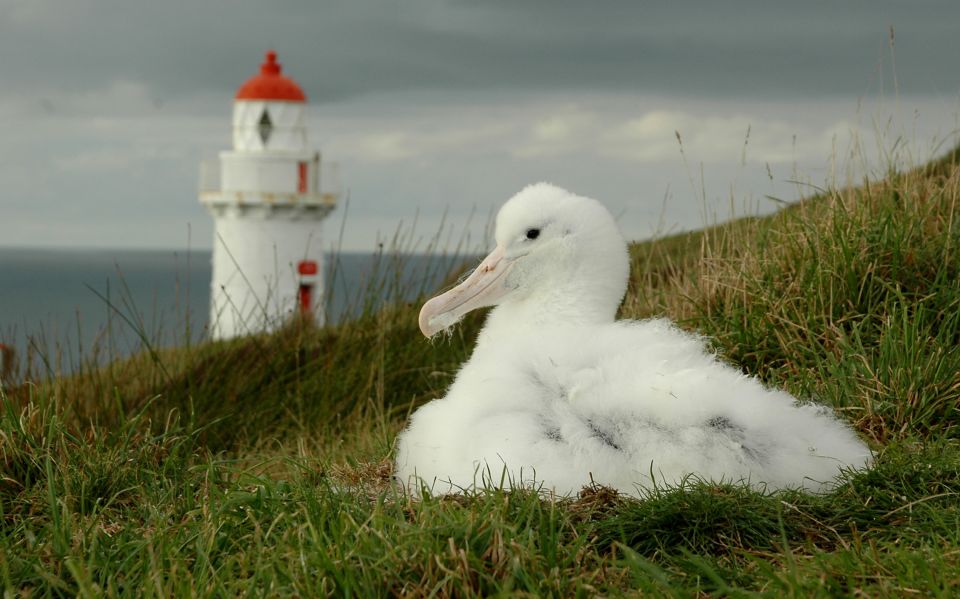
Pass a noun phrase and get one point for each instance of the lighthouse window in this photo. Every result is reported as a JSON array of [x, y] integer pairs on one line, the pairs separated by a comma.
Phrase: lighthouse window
[[265, 126]]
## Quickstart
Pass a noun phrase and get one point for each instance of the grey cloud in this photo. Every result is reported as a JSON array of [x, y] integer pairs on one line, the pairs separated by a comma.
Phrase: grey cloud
[[108, 105], [343, 49]]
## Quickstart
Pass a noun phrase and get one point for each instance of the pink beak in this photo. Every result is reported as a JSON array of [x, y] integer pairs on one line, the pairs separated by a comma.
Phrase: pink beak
[[484, 287]]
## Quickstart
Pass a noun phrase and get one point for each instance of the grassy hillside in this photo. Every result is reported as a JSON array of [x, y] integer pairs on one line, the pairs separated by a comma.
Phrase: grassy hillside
[[262, 465]]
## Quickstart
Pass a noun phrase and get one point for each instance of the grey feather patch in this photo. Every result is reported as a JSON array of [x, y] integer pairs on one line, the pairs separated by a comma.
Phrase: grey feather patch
[[722, 423], [553, 433], [605, 437]]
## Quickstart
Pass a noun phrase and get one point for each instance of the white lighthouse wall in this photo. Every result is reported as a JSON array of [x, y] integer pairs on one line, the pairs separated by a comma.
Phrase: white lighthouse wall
[[288, 126], [255, 281], [265, 172]]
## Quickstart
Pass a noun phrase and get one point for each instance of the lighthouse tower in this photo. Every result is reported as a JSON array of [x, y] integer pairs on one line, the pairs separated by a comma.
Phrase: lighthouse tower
[[267, 211]]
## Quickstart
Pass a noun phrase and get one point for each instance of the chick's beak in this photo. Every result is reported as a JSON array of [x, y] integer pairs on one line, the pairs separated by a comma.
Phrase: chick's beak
[[485, 286]]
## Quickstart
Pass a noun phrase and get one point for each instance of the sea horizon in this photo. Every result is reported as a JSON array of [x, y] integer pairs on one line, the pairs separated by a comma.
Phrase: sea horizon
[[61, 307]]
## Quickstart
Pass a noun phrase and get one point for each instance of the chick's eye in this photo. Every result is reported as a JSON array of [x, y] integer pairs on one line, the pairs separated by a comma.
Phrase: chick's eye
[[533, 233]]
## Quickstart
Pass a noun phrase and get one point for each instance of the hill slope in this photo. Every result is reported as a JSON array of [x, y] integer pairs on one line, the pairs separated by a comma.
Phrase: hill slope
[[262, 465]]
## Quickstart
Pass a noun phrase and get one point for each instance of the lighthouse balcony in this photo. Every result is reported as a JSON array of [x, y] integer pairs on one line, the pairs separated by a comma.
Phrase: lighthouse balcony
[[308, 184], [267, 206]]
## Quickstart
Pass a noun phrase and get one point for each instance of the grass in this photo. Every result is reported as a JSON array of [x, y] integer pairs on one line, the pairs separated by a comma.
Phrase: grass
[[262, 465]]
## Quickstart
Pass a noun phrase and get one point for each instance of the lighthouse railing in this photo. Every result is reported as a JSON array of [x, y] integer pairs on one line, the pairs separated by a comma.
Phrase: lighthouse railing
[[323, 182]]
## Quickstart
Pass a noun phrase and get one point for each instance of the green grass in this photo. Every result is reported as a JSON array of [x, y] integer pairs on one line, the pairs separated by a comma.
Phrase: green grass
[[261, 466]]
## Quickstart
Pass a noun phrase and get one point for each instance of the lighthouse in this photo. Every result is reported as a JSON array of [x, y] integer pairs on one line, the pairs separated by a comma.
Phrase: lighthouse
[[267, 205]]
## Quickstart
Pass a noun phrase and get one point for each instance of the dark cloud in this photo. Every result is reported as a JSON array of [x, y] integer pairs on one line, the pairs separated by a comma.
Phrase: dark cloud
[[346, 48]]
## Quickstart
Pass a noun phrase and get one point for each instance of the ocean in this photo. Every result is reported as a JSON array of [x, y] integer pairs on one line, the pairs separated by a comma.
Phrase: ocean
[[67, 306]]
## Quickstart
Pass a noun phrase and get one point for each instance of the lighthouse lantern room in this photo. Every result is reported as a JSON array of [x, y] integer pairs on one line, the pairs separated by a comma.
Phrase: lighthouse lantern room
[[267, 210]]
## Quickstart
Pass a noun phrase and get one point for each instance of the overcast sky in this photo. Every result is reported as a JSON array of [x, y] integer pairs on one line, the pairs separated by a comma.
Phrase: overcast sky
[[429, 107]]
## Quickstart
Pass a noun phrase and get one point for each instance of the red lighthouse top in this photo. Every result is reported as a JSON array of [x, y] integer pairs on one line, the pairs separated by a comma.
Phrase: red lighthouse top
[[270, 84]]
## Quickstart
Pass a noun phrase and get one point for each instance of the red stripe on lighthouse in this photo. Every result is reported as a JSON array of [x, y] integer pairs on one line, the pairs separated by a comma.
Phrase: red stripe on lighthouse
[[302, 177], [307, 269]]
